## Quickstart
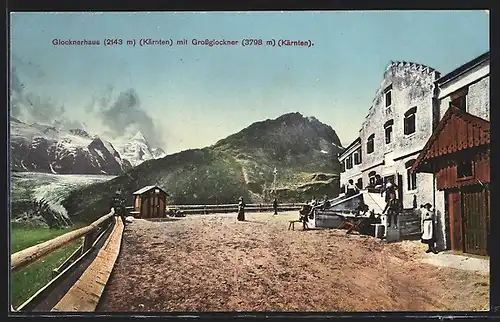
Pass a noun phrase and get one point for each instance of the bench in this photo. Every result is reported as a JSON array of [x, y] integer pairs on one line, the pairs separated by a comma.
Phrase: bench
[[379, 230], [292, 224]]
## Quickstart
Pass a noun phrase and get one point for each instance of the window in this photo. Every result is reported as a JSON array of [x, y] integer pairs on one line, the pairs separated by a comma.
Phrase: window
[[388, 131], [464, 169], [369, 144], [388, 96], [460, 102], [410, 120], [459, 99], [411, 176], [349, 162], [342, 166], [357, 156]]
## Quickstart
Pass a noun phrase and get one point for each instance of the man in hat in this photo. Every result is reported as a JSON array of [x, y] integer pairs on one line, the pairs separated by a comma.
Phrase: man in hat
[[428, 227], [241, 209], [118, 205], [393, 208], [390, 187]]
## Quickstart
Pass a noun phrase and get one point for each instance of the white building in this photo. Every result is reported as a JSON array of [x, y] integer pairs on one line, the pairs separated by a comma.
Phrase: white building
[[395, 130], [407, 107]]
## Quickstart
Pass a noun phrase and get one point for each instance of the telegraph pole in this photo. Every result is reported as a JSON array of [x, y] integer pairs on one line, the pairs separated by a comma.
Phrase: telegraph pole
[[275, 172]]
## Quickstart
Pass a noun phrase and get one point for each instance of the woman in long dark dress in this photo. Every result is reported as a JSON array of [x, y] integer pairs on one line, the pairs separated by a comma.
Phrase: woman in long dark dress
[[241, 209], [428, 228]]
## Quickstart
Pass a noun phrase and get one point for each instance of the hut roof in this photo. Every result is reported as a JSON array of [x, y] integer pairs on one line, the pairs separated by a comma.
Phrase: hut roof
[[146, 189]]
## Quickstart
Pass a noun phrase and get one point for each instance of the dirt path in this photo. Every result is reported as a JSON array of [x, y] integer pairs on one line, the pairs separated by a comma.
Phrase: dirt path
[[215, 263]]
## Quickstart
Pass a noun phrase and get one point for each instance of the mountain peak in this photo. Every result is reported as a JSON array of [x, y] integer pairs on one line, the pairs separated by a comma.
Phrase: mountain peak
[[289, 132], [138, 136]]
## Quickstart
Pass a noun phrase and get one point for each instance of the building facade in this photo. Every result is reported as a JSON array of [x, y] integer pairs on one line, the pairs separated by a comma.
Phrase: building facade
[[350, 164], [458, 155], [410, 109], [398, 124]]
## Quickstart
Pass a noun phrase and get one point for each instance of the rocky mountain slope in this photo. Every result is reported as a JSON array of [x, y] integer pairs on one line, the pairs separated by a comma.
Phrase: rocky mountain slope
[[303, 150], [41, 148]]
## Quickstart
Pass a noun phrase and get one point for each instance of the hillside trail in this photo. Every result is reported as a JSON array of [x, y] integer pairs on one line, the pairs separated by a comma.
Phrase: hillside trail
[[215, 263]]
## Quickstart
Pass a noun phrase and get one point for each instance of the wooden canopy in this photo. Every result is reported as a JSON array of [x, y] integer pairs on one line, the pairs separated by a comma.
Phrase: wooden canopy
[[456, 131]]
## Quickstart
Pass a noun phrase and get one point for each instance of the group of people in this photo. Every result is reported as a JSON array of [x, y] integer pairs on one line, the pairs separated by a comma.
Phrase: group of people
[[427, 224], [392, 209]]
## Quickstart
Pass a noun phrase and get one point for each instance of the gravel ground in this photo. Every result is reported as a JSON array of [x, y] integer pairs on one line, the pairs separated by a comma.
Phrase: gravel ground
[[215, 263]]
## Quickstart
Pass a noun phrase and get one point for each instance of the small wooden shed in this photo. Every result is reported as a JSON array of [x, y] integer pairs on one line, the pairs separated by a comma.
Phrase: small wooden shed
[[149, 202]]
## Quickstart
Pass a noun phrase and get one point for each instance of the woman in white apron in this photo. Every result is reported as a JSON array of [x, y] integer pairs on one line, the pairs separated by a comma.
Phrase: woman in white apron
[[428, 228]]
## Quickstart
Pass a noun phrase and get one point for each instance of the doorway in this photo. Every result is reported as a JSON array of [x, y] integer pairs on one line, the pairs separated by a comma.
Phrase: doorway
[[475, 220]]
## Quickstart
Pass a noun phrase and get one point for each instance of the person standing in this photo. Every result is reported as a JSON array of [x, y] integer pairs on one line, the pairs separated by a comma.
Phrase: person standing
[[379, 183], [427, 228], [118, 205], [241, 209], [390, 188], [393, 208], [275, 206], [326, 203]]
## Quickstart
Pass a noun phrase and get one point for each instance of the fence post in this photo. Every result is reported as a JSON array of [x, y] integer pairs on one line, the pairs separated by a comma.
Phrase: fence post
[[88, 241]]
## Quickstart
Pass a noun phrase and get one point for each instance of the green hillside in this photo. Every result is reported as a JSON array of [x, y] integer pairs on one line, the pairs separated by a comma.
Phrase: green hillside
[[303, 150]]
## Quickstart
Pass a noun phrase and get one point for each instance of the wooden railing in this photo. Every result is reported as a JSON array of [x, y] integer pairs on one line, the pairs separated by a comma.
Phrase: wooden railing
[[229, 208], [91, 233]]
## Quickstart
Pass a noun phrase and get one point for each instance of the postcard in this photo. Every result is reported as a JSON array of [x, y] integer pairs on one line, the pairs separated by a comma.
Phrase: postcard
[[261, 161]]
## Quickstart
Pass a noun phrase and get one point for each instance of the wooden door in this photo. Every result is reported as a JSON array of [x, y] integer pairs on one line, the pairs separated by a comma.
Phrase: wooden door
[[455, 213], [152, 207], [474, 220], [155, 206], [161, 208]]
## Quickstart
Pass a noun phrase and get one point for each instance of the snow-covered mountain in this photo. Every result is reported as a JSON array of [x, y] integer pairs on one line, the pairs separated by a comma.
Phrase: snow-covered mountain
[[42, 148], [137, 150]]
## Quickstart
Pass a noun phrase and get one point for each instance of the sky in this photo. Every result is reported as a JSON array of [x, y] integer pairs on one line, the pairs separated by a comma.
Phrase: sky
[[183, 97]]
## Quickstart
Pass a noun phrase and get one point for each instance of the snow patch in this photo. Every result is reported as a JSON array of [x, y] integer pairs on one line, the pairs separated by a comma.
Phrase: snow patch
[[108, 146], [54, 188], [100, 154], [52, 169], [323, 151]]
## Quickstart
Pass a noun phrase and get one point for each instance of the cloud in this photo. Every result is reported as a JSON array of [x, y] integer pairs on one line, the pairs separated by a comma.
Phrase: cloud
[[125, 114], [27, 104], [109, 114]]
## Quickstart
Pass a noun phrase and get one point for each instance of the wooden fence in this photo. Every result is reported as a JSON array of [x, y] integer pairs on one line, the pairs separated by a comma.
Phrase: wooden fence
[[230, 208], [91, 233]]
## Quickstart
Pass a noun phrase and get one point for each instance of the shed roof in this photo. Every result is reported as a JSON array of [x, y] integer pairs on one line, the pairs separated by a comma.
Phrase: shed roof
[[146, 189], [457, 130]]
